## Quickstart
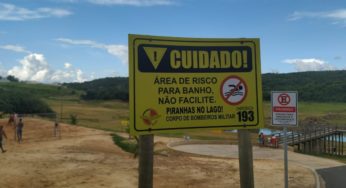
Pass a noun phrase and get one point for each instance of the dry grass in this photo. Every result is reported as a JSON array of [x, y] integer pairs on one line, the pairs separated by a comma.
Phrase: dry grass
[[108, 115], [105, 115]]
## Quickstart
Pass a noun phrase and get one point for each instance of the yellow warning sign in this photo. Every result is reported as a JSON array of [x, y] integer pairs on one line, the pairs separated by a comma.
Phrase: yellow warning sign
[[187, 83]]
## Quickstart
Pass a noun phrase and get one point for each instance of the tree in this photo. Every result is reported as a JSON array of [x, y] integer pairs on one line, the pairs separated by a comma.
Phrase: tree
[[22, 102], [103, 89], [12, 78]]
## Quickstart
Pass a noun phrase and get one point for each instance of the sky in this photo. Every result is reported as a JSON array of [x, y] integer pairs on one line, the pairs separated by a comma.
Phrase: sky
[[54, 41]]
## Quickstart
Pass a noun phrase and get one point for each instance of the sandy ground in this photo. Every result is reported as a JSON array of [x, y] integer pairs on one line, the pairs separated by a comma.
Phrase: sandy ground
[[88, 158], [81, 158]]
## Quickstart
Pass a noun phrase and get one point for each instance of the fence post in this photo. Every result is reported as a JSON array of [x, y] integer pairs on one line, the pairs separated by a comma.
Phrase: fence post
[[304, 139], [333, 143], [292, 137], [324, 140], [328, 143], [342, 143], [339, 143], [310, 140], [298, 141]]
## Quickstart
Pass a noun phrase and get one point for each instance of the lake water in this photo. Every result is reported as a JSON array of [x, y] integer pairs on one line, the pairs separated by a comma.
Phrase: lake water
[[266, 131]]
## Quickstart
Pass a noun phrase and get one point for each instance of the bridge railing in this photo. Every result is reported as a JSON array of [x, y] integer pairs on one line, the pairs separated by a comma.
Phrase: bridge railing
[[306, 133]]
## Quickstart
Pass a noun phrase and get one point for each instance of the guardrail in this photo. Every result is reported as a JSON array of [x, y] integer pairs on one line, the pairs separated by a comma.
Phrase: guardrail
[[307, 134]]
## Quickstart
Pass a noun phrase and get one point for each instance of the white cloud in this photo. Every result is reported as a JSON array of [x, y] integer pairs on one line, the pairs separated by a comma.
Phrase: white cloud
[[337, 16], [67, 65], [2, 70], [10, 12], [312, 64], [79, 75], [34, 67], [70, 75], [119, 51], [132, 2], [15, 48]]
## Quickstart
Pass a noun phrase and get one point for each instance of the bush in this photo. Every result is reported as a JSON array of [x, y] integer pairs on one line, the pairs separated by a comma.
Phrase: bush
[[125, 144], [12, 78], [21, 102], [73, 119]]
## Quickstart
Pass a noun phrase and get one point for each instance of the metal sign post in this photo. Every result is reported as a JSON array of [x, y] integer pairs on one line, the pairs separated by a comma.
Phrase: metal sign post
[[285, 157]]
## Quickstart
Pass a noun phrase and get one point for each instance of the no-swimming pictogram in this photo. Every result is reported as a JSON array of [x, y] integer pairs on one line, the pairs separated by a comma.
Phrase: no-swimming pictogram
[[233, 90]]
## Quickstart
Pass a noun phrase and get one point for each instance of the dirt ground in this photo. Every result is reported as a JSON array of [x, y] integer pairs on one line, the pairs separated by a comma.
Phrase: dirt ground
[[88, 158]]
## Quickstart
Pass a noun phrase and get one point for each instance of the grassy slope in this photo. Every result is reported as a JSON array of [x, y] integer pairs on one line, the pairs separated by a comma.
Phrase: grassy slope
[[40, 90], [105, 115], [108, 115], [324, 113]]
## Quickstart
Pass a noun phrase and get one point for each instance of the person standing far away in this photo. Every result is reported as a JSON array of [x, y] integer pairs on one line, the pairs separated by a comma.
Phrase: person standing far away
[[260, 138], [11, 119], [15, 120], [56, 129], [20, 130], [263, 139], [2, 133], [12, 122]]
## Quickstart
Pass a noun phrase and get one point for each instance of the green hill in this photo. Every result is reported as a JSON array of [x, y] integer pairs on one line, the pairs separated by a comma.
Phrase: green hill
[[103, 89], [317, 86], [37, 89], [21, 97]]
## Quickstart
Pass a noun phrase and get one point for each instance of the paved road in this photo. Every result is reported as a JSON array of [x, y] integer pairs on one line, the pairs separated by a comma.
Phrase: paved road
[[334, 177], [231, 151], [332, 172]]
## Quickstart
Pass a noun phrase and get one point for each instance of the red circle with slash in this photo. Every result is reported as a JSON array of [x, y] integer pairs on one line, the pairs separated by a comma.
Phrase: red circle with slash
[[284, 99], [233, 90]]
